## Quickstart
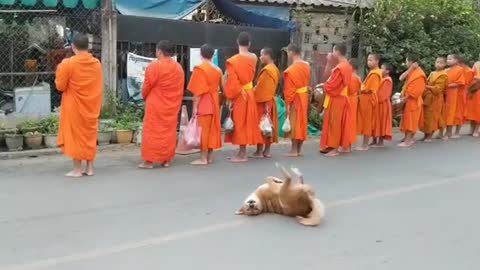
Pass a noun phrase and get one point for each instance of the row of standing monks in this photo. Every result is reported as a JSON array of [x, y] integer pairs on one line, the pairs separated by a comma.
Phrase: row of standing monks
[[445, 99]]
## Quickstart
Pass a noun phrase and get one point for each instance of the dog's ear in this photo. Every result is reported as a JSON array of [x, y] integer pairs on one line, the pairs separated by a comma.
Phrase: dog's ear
[[240, 212]]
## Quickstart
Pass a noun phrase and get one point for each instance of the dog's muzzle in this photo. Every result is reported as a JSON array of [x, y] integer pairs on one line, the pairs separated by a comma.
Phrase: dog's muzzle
[[251, 204]]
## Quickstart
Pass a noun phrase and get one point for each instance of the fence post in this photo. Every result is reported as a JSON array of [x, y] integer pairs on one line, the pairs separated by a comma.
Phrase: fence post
[[109, 47]]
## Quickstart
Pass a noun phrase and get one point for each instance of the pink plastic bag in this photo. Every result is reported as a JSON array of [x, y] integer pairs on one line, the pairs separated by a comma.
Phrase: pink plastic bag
[[193, 134]]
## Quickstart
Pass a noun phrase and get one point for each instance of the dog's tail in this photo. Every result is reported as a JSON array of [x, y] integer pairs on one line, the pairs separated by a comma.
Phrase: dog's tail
[[316, 215]]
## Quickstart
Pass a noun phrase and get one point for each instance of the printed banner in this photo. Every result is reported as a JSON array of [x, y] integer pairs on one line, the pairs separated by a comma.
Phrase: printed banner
[[196, 58], [136, 66]]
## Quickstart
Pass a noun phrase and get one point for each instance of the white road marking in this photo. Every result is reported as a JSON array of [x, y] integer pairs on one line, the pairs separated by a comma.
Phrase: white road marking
[[102, 252]]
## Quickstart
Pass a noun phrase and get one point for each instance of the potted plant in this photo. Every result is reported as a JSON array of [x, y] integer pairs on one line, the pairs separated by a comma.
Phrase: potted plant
[[109, 110], [33, 140], [14, 140], [30, 126], [124, 131], [50, 129], [104, 135]]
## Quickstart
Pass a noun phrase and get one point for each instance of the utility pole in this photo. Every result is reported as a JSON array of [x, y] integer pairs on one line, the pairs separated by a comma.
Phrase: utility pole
[[109, 47]]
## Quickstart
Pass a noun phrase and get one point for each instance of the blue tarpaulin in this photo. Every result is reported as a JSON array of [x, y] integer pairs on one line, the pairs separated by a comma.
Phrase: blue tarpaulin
[[279, 12], [230, 9], [167, 9]]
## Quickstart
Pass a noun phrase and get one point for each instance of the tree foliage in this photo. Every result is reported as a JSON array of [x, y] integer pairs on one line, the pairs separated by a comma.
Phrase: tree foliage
[[425, 27]]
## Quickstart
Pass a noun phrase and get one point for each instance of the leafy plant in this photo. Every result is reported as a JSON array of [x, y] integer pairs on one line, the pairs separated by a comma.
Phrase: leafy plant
[[395, 28], [30, 126], [50, 124], [110, 104]]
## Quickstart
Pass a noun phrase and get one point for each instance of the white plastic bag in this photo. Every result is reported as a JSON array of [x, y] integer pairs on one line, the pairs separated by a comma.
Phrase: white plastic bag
[[286, 126], [266, 126], [228, 125]]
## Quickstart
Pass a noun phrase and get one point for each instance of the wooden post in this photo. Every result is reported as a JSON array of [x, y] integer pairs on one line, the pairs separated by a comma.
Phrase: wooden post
[[109, 47]]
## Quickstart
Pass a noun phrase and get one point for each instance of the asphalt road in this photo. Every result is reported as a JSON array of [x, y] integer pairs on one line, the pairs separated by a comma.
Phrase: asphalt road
[[386, 209]]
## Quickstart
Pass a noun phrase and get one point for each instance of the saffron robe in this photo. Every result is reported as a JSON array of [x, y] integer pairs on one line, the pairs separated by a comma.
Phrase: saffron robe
[[368, 103], [162, 91], [79, 78], [205, 84], [473, 100], [456, 75], [433, 117], [383, 123], [353, 92], [265, 90], [296, 80], [336, 130], [413, 91], [240, 75]]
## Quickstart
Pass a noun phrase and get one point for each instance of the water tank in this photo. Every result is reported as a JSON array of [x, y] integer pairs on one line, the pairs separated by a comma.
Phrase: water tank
[[33, 100]]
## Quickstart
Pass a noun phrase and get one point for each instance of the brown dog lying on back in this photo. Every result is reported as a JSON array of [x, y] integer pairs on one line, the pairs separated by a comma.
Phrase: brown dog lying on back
[[285, 198]]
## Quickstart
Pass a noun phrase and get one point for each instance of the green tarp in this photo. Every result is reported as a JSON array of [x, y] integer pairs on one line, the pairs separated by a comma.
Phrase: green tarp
[[312, 131], [88, 4]]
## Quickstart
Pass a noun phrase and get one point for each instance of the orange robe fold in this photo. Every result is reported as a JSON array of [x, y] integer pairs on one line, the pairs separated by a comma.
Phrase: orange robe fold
[[368, 103], [296, 80], [473, 100], [240, 75], [162, 91], [456, 75], [336, 130], [383, 126], [353, 91], [79, 78], [460, 112], [433, 117], [205, 84], [413, 91], [265, 90]]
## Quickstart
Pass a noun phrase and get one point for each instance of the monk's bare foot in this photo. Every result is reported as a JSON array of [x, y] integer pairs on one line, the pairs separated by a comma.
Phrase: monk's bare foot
[[238, 159], [405, 144], [456, 136], [476, 134], [439, 137], [166, 164], [343, 150], [258, 155], [199, 162], [445, 138], [428, 140], [146, 165], [88, 173], [378, 145], [332, 153], [74, 174], [362, 148], [292, 154], [210, 161], [267, 155]]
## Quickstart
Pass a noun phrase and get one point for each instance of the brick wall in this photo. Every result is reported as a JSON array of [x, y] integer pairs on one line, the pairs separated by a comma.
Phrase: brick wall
[[319, 31]]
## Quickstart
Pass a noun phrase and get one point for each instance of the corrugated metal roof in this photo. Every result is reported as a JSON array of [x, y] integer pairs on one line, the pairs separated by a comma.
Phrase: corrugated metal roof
[[328, 3]]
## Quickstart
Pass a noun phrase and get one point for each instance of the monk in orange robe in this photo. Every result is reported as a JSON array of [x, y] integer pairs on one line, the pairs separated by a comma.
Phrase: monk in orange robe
[[265, 89], [456, 81], [296, 80], [162, 91], [369, 101], [239, 89], [412, 92], [205, 84], [472, 113], [353, 92], [383, 123], [79, 78], [337, 123], [433, 117]]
